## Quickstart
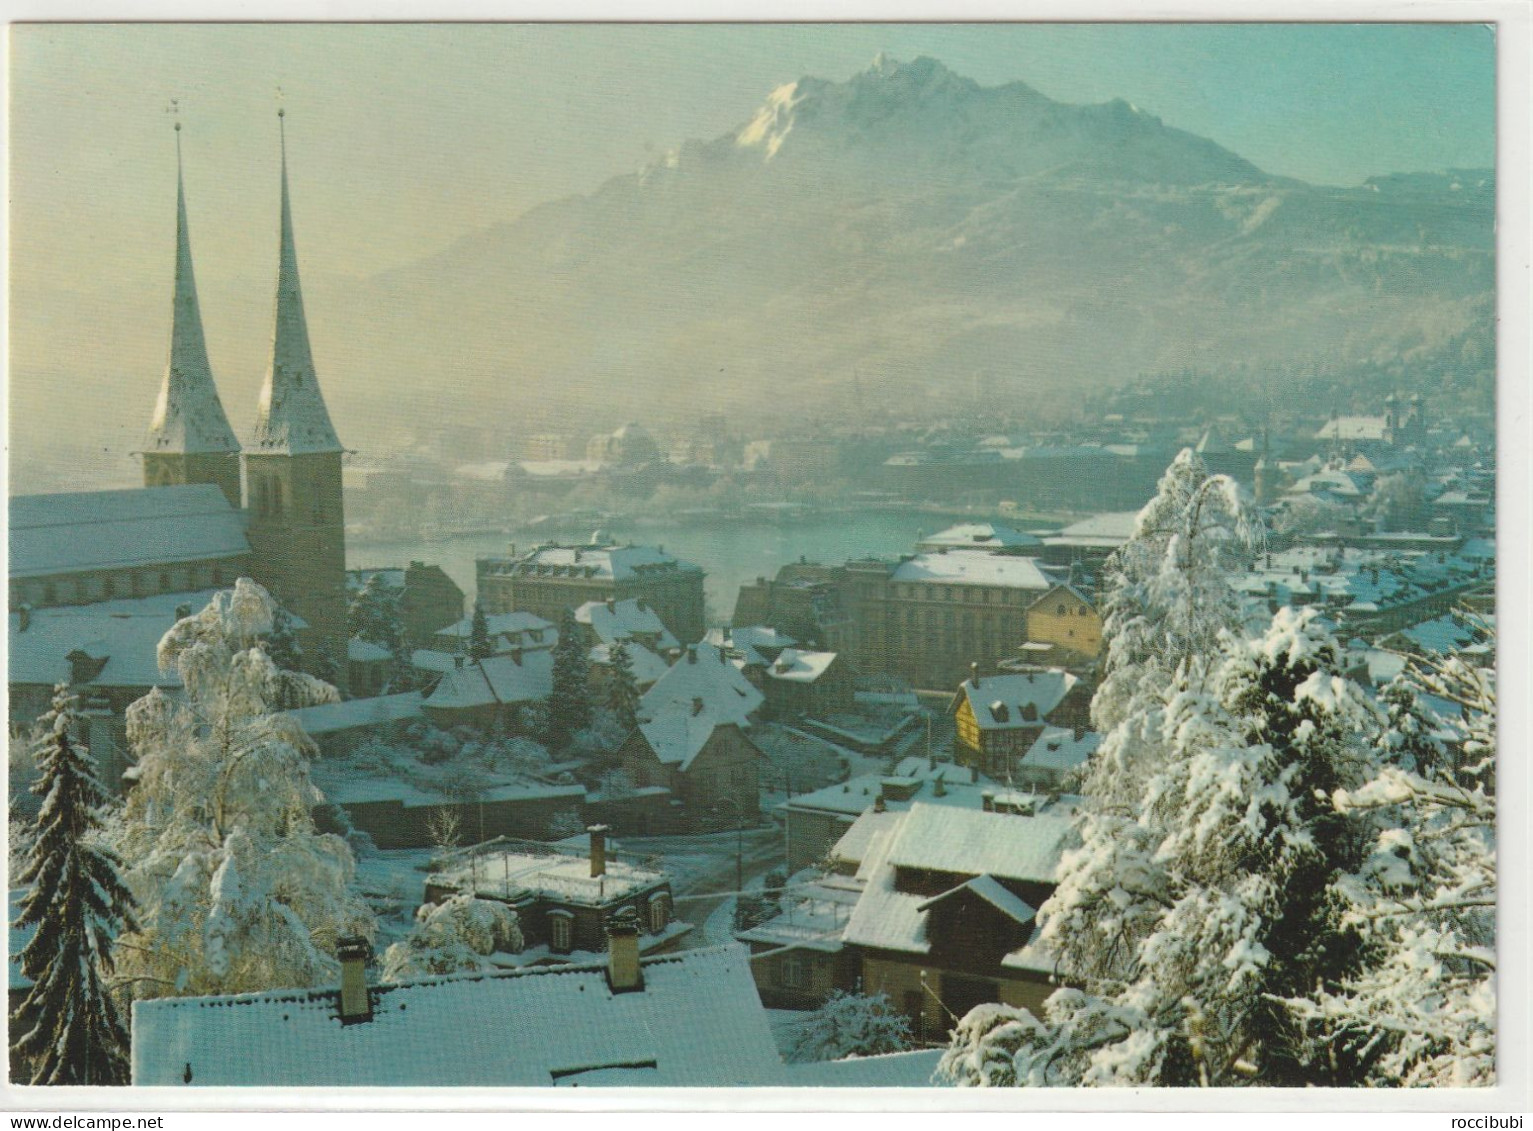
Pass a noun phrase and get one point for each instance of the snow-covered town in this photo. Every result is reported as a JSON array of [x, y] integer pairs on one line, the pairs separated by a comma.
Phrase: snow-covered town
[[908, 741]]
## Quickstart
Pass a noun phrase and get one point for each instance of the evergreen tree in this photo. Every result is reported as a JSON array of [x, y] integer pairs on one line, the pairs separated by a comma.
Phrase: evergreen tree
[[569, 704], [67, 1029], [623, 692], [479, 646], [281, 643]]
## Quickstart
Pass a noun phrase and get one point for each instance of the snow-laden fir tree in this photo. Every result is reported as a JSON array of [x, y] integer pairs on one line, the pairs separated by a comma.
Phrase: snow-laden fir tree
[[236, 889], [1168, 610], [374, 616], [1422, 1010], [569, 704], [623, 691], [67, 1029], [1246, 854], [457, 935], [479, 646]]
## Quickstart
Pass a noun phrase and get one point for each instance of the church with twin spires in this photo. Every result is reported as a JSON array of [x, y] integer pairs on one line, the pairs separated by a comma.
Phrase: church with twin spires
[[210, 509]]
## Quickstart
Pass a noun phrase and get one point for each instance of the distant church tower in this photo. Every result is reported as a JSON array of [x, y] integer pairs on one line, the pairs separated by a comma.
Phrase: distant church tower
[[189, 438], [293, 472]]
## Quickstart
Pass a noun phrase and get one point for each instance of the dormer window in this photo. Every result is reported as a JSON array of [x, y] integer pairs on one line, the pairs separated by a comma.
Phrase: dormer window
[[659, 912]]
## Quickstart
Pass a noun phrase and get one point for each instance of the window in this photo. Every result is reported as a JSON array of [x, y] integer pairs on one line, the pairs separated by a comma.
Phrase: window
[[560, 924], [659, 912], [1061, 610], [792, 971]]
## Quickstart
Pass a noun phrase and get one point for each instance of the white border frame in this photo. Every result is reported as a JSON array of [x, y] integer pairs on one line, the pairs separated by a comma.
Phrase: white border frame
[[1514, 163]]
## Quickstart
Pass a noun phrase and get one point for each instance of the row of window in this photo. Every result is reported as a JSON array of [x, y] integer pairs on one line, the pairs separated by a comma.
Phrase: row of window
[[126, 583], [268, 499], [972, 594]]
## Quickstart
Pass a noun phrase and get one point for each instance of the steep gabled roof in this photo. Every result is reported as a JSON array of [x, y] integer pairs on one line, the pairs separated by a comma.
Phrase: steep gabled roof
[[291, 417], [188, 416]]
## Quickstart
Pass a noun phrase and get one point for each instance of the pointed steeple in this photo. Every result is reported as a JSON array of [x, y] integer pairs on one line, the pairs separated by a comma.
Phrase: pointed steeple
[[291, 417], [188, 416]]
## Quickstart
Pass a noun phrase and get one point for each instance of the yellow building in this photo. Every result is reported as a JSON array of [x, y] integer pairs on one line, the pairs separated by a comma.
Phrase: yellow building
[[1066, 620]]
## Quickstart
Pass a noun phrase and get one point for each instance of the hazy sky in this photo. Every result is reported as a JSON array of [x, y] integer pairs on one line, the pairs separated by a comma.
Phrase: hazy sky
[[405, 137]]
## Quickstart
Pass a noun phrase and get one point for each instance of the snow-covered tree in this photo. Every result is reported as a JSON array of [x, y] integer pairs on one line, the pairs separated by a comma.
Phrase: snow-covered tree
[[373, 614], [569, 704], [1219, 895], [459, 934], [623, 691], [479, 646], [1422, 1010], [67, 1029], [236, 889], [850, 1025], [1169, 610]]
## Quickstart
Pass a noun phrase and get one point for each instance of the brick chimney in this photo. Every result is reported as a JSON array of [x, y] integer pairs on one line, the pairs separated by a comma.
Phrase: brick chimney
[[974, 673], [598, 849], [356, 1002], [624, 974], [691, 653]]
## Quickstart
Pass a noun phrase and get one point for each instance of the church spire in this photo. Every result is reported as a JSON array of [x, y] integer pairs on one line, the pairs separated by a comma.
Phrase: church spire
[[291, 417], [188, 416]]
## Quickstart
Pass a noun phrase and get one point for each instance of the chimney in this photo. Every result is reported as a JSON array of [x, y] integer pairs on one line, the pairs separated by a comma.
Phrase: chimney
[[23, 618], [691, 653], [974, 673], [987, 801], [941, 788], [611, 604], [697, 705], [356, 1002], [624, 974], [516, 655], [879, 804], [598, 849]]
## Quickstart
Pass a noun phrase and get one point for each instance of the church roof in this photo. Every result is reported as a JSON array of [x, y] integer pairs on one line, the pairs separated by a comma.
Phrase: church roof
[[291, 417], [75, 532], [188, 416]]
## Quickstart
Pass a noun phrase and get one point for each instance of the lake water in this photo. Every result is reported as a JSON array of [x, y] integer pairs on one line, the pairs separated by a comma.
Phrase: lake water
[[733, 553]]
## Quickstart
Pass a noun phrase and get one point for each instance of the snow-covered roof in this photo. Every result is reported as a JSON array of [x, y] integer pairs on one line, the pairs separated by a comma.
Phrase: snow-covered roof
[[973, 567], [611, 563], [330, 718], [704, 673], [813, 916], [73, 532], [754, 645], [612, 621], [697, 1022], [512, 875], [124, 633], [849, 798], [1061, 750], [979, 536], [999, 701], [360, 651], [498, 624], [941, 838], [1111, 526], [496, 681], [914, 1069], [1354, 428], [677, 736], [989, 889], [646, 665], [795, 666], [884, 917]]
